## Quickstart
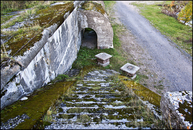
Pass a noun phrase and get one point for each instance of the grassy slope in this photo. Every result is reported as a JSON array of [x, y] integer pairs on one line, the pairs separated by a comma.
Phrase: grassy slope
[[169, 26]]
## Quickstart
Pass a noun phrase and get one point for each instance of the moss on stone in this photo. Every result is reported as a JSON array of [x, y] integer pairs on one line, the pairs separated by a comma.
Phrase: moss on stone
[[93, 6], [186, 113], [36, 105], [84, 118], [26, 35], [141, 91]]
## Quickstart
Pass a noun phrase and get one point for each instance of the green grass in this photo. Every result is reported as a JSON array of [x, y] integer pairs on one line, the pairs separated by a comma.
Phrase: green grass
[[169, 26], [6, 18], [10, 6], [86, 57]]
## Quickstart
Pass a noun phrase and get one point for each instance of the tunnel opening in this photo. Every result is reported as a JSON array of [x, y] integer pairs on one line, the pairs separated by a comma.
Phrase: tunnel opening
[[89, 38]]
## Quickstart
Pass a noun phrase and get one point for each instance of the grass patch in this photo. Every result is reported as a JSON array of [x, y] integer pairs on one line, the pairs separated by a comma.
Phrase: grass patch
[[169, 26], [86, 57], [139, 77], [5, 18], [10, 6]]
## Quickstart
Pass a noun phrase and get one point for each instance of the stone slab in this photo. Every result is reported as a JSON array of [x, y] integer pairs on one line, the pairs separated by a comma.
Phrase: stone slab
[[131, 70], [103, 56]]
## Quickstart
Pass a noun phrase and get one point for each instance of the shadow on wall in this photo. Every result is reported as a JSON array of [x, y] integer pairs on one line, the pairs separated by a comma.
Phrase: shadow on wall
[[89, 38]]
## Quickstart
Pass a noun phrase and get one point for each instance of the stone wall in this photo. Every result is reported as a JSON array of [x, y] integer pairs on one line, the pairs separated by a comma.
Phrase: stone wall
[[176, 109], [100, 24], [54, 54]]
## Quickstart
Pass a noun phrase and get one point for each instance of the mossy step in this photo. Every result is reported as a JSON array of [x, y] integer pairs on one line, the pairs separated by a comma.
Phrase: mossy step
[[115, 115], [95, 92], [109, 98], [95, 88], [85, 103], [97, 118], [75, 99], [104, 125], [97, 109], [88, 95]]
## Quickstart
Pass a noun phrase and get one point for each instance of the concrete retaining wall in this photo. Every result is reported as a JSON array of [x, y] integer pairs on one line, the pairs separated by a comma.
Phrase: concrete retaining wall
[[54, 54], [44, 61]]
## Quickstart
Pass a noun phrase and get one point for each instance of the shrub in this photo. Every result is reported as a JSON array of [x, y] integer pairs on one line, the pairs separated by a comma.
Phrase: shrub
[[186, 13]]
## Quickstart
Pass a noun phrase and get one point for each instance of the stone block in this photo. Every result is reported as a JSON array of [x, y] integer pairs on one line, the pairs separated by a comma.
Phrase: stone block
[[103, 59], [130, 69]]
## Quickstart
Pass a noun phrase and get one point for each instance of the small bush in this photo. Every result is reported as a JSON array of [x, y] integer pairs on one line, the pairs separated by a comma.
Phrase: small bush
[[173, 8], [186, 13]]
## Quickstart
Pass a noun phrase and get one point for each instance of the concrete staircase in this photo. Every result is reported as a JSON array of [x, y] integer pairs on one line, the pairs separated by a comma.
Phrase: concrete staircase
[[100, 101]]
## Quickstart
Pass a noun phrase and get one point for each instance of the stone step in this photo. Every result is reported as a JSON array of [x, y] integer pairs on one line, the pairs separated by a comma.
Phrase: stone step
[[92, 104], [98, 88], [104, 116], [92, 92], [117, 125], [94, 84], [87, 121], [96, 109], [116, 99]]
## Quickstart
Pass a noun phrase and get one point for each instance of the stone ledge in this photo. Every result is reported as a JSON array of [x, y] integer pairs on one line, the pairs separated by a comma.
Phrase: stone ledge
[[176, 109]]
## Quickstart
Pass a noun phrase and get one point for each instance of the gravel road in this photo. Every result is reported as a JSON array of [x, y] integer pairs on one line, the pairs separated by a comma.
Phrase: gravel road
[[175, 65]]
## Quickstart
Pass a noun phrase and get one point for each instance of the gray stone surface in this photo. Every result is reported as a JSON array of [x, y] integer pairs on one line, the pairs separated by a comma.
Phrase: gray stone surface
[[105, 64], [176, 109], [12, 123], [103, 56], [131, 70], [100, 24]]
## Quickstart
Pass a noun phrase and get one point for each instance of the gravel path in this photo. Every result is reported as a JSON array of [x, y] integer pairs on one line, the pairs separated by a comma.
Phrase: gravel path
[[168, 61]]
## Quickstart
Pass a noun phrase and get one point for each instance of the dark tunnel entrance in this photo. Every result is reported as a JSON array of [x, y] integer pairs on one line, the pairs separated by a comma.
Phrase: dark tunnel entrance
[[89, 38]]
